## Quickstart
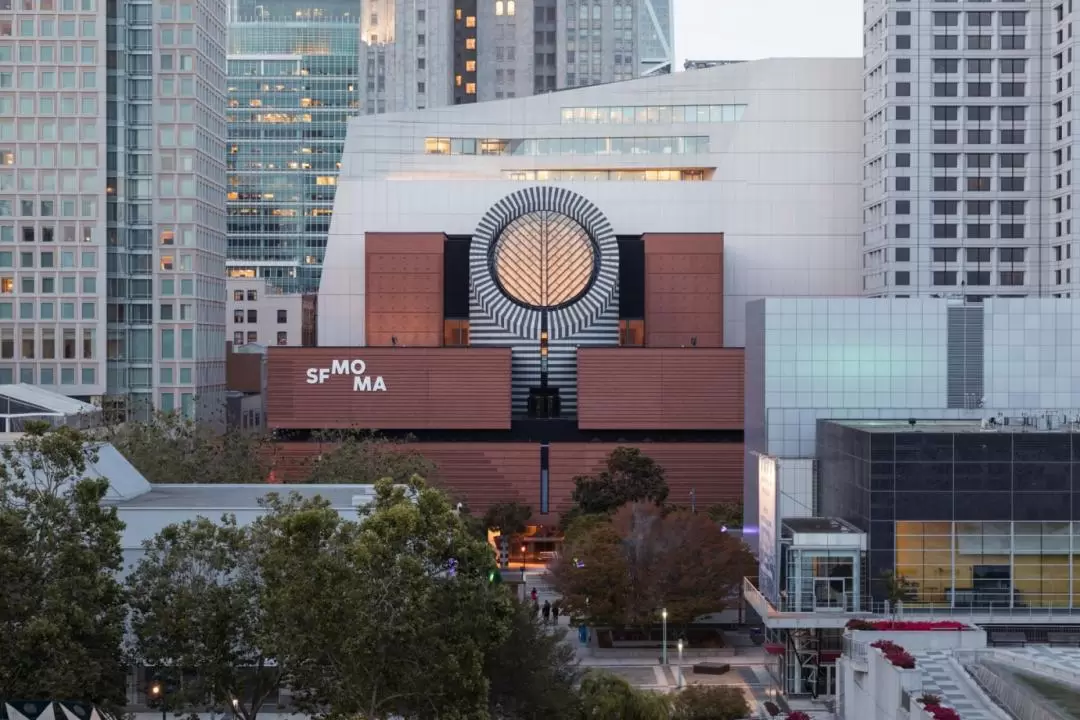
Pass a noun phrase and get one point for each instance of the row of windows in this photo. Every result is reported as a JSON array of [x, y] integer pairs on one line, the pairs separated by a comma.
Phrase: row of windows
[[47, 349], [46, 375], [680, 145], [253, 316], [49, 5], [978, 255], [46, 28], [973, 42], [980, 113], [974, 231], [980, 66], [973, 89], [948, 278], [46, 53], [239, 338], [981, 18], [47, 258], [971, 160], [971, 184], [27, 285], [652, 114], [47, 310], [971, 136], [605, 175], [952, 207]]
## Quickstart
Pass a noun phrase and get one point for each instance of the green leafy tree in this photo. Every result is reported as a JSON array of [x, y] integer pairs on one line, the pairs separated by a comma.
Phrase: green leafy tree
[[728, 514], [643, 560], [508, 518], [362, 458], [607, 697], [628, 476], [533, 672], [61, 608], [710, 702], [196, 605], [394, 616], [173, 449]]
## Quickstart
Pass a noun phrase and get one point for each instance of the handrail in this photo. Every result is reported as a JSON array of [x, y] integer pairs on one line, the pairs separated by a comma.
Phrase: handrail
[[1022, 702]]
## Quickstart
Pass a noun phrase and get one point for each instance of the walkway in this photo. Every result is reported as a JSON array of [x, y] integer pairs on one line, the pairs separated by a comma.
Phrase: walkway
[[941, 678]]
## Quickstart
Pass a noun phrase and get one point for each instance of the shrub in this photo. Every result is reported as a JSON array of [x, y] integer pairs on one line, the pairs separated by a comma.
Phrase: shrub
[[909, 625], [885, 646], [859, 625], [940, 712], [929, 699], [798, 715], [770, 707], [703, 702], [901, 659]]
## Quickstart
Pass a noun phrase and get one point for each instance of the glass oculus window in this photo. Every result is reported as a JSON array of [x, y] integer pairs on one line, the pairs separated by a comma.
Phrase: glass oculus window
[[544, 260]]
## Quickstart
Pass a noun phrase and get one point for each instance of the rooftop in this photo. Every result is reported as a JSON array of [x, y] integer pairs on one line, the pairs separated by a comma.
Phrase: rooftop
[[1045, 422], [235, 497]]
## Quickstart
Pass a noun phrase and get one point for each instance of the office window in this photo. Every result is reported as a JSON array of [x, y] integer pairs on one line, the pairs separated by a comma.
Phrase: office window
[[977, 277], [945, 277], [902, 277], [282, 338], [944, 231], [978, 231], [944, 254], [1013, 42], [945, 89], [903, 255], [941, 42], [946, 65], [977, 255], [945, 184], [946, 113], [1011, 255], [978, 113], [282, 316], [1011, 278], [252, 316], [978, 42], [980, 65], [1011, 231]]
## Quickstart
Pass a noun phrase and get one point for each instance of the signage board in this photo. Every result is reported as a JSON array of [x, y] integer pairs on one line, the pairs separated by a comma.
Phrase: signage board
[[357, 369], [768, 548]]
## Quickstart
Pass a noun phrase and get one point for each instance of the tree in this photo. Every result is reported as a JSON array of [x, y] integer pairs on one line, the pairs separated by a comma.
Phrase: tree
[[728, 514], [508, 518], [644, 559], [536, 683], [703, 702], [364, 458], [607, 697], [196, 607], [628, 476], [62, 608], [392, 616], [173, 449]]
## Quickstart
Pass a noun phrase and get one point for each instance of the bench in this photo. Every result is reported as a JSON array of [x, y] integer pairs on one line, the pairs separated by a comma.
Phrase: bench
[[711, 668], [1008, 639], [1059, 639]]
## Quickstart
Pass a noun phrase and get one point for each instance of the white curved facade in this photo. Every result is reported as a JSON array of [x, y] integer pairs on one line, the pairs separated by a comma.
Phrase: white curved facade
[[774, 148]]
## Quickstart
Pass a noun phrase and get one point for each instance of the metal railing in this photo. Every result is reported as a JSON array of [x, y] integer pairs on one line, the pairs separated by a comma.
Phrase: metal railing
[[1022, 702], [869, 607]]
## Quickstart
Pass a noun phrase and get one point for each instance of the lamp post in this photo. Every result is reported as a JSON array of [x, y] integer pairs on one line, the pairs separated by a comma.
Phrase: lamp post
[[522, 558], [680, 682], [236, 704], [158, 692], [663, 649]]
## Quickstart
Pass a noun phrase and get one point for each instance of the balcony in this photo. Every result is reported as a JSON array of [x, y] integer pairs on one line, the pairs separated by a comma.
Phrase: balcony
[[788, 613]]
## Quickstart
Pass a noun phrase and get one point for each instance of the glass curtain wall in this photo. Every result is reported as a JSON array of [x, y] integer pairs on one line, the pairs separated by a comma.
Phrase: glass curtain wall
[[287, 119], [990, 564]]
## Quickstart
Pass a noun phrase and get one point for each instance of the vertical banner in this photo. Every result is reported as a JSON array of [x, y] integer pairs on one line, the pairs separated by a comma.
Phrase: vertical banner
[[768, 575]]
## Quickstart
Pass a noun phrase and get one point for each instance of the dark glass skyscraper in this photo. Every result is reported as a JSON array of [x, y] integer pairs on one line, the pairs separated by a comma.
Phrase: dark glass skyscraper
[[293, 84]]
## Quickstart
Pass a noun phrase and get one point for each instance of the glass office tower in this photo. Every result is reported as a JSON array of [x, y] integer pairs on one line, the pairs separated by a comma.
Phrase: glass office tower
[[165, 189], [293, 84]]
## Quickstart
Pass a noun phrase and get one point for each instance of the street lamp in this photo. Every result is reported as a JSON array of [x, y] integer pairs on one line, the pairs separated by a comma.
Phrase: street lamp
[[522, 558], [158, 692], [663, 651], [236, 702], [680, 683]]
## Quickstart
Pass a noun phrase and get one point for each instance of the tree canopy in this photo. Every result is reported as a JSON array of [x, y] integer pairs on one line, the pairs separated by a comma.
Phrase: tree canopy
[[196, 606], [623, 571], [173, 449], [508, 518], [62, 607], [628, 476], [704, 702], [362, 458], [607, 697]]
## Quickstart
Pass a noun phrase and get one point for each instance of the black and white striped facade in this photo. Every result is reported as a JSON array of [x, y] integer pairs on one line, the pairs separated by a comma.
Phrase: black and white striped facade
[[591, 320]]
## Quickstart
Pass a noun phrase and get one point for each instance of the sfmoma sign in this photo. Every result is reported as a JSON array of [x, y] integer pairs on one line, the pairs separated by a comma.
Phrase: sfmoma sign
[[362, 382]]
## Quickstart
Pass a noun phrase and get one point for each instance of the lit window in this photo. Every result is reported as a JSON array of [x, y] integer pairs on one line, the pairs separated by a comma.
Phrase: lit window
[[511, 7], [457, 14], [325, 180], [166, 262], [499, 7], [457, 80], [470, 21], [470, 88], [470, 66], [167, 237], [470, 43]]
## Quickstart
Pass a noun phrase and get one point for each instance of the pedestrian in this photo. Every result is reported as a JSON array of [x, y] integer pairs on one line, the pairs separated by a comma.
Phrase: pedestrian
[[555, 612], [533, 595], [546, 611], [535, 609]]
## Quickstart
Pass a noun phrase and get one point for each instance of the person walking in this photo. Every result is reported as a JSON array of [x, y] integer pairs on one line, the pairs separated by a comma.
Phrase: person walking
[[546, 612], [533, 595], [555, 612], [535, 609]]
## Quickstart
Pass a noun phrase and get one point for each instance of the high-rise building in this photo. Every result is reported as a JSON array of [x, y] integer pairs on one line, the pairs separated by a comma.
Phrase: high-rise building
[[656, 37], [968, 149], [294, 80], [165, 205], [112, 195]]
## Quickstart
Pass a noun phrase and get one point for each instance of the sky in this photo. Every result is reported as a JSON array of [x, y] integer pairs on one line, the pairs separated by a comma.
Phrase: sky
[[754, 29]]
